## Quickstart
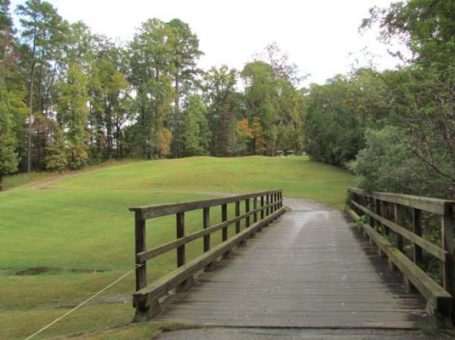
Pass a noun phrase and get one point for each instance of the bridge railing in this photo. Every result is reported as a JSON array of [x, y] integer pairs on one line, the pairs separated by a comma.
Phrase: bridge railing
[[384, 216], [266, 206]]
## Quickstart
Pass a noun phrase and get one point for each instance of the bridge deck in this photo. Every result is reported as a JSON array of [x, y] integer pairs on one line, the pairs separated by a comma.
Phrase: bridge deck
[[308, 269]]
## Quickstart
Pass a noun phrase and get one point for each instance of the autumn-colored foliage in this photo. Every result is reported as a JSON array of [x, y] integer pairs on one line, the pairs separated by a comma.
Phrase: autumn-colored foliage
[[164, 142]]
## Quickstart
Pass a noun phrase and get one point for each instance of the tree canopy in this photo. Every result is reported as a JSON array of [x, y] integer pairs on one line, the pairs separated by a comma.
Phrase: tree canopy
[[69, 98]]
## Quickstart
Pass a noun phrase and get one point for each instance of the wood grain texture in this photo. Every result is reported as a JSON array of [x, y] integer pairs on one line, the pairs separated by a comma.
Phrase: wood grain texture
[[308, 269], [147, 212]]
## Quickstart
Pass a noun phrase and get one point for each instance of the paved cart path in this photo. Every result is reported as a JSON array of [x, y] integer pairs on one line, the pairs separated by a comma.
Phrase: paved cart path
[[307, 269]]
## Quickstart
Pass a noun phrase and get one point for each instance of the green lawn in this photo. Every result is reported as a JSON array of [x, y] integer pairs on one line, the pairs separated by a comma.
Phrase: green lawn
[[77, 233]]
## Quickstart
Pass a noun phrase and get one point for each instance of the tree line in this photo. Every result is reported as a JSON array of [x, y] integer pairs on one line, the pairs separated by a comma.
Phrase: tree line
[[69, 98], [394, 129]]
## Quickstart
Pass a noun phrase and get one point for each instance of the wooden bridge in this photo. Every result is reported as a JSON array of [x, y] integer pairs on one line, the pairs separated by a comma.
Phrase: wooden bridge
[[308, 268]]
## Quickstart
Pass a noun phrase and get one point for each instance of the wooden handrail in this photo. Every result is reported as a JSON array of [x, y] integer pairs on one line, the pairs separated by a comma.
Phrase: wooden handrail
[[429, 204], [267, 206], [153, 211], [371, 204], [418, 240], [147, 255]]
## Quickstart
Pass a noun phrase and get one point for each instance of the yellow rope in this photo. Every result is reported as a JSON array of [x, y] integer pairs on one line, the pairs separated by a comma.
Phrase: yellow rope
[[80, 305]]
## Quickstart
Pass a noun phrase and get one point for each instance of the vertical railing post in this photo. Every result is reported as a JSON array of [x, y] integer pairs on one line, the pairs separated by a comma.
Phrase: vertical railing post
[[447, 244], [206, 223], [281, 199], [377, 210], [224, 231], [267, 202], [262, 207], [180, 223], [385, 214], [237, 214], [247, 210], [140, 246], [255, 206], [371, 207], [273, 202], [398, 220], [417, 229]]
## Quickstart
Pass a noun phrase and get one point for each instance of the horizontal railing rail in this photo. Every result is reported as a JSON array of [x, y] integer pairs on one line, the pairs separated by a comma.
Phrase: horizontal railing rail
[[266, 206], [379, 226]]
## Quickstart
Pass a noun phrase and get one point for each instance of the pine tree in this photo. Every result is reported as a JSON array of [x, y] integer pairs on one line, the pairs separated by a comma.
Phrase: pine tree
[[197, 134], [8, 142], [10, 101], [43, 34], [73, 112], [55, 150]]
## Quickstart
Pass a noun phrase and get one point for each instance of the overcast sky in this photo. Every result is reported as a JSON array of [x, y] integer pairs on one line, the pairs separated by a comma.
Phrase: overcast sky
[[320, 36]]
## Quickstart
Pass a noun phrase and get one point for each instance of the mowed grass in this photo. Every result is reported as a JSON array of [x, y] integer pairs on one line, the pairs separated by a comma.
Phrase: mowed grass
[[63, 241]]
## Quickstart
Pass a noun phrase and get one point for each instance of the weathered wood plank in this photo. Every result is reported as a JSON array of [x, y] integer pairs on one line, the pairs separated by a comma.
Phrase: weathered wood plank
[[433, 205], [307, 270], [180, 233], [153, 211], [140, 245]]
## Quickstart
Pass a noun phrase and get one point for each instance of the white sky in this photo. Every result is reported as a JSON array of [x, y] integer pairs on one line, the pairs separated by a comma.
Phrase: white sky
[[320, 36]]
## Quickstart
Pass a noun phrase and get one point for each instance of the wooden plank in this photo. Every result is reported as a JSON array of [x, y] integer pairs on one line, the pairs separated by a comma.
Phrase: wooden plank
[[433, 205], [180, 228], [425, 244], [308, 270], [147, 295], [140, 245], [152, 211]]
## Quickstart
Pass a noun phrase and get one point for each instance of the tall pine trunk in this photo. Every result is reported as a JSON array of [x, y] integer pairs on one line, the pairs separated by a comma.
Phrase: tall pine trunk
[[30, 115]]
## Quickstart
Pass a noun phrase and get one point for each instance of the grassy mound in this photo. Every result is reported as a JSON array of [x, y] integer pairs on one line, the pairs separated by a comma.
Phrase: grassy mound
[[63, 239]]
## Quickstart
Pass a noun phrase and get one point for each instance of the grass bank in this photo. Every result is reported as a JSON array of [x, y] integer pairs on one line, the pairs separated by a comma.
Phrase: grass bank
[[63, 240]]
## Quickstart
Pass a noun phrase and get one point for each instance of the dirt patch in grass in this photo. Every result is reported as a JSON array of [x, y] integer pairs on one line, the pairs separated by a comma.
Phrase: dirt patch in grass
[[54, 270]]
